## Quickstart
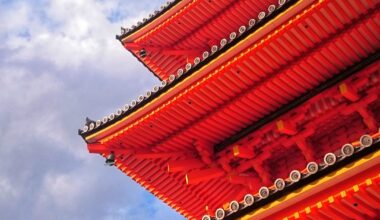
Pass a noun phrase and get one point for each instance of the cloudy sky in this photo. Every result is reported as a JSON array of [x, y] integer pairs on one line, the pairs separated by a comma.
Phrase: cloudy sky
[[60, 62]]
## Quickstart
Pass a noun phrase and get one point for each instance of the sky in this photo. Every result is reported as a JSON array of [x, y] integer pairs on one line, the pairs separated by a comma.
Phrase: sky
[[59, 63]]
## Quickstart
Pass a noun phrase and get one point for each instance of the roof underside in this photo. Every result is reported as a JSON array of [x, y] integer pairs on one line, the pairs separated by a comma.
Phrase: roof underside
[[349, 192], [331, 48]]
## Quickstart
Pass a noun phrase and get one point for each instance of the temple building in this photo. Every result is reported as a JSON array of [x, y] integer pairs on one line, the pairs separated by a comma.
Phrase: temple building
[[265, 109]]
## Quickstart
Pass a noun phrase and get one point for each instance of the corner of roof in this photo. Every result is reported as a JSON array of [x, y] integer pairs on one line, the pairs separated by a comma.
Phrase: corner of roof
[[125, 32]]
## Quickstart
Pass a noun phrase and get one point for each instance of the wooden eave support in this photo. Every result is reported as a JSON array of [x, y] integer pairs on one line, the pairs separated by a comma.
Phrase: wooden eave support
[[242, 151], [262, 172], [361, 107], [224, 163], [205, 151], [184, 165], [286, 127], [244, 166], [305, 148], [368, 118], [238, 179], [300, 140], [97, 148], [249, 181], [102, 149], [348, 92], [198, 176], [154, 155]]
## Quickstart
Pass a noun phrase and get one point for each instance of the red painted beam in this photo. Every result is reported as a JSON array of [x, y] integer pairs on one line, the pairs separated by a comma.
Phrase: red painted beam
[[184, 165], [242, 151], [97, 148], [348, 92], [286, 127], [195, 177], [154, 155]]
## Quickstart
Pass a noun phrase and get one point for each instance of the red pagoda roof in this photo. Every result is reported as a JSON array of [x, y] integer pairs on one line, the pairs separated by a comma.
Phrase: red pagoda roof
[[234, 169], [278, 93], [185, 29]]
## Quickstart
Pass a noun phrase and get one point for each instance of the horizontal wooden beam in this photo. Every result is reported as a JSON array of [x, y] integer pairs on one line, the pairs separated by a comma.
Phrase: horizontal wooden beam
[[195, 177], [184, 165]]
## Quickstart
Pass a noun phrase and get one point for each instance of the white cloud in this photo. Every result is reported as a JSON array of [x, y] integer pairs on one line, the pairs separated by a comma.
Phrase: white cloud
[[16, 15], [63, 190], [77, 33], [7, 191], [59, 61]]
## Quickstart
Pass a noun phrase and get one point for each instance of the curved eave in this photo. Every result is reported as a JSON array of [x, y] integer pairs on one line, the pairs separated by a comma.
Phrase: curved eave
[[249, 37], [152, 22], [197, 38]]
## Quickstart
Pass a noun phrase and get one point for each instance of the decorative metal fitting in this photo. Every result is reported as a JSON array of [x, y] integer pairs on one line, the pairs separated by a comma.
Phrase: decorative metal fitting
[[234, 206], [119, 112], [111, 116], [197, 60], [271, 9], [179, 72], [366, 140], [105, 119], [264, 192], [251, 22], [312, 167], [347, 150], [205, 54], [242, 29], [214, 49], [126, 107], [295, 176], [220, 214], [261, 15], [329, 159], [248, 199], [279, 184], [133, 103], [171, 78], [232, 36], [223, 42], [206, 217]]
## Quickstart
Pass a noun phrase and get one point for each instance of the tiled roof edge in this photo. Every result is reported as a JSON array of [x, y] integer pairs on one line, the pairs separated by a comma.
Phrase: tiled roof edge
[[140, 24], [332, 161], [262, 18]]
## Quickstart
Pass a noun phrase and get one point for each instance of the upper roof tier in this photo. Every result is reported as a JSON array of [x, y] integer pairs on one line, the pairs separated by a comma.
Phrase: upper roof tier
[[183, 30]]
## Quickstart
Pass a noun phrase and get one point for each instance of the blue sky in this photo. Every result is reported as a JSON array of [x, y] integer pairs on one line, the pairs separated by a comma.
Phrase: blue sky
[[60, 62]]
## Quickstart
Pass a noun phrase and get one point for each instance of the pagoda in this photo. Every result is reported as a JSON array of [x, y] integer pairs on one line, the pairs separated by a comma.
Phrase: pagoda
[[266, 109]]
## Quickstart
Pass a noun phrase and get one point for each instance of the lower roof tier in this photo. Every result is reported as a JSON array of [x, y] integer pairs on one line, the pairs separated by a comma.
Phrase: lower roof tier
[[198, 181]]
